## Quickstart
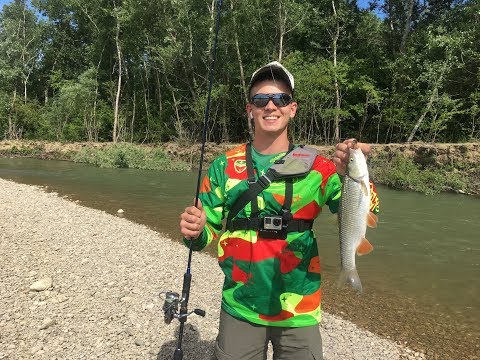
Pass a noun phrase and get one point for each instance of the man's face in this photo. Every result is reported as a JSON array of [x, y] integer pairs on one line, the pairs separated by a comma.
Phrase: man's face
[[271, 119]]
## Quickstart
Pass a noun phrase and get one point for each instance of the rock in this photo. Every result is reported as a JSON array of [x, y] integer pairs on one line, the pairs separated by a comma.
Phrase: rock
[[47, 322], [42, 284], [139, 342], [36, 349]]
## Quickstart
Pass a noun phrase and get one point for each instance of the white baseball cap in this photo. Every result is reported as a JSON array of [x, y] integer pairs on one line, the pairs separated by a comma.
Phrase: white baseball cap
[[273, 71]]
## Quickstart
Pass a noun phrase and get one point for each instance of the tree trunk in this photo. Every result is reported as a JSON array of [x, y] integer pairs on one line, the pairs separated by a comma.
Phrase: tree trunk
[[12, 133], [159, 93], [365, 116], [282, 20], [433, 96], [119, 84], [240, 65], [133, 117], [95, 100], [337, 87], [406, 30]]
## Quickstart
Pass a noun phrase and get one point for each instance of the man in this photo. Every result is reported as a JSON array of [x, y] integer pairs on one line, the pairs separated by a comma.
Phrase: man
[[268, 252]]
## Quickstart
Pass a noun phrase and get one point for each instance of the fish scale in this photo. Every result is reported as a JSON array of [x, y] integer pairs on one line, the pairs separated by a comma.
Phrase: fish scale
[[353, 213]]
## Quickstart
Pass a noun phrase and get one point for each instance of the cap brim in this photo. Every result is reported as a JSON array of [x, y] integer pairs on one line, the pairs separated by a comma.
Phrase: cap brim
[[275, 71]]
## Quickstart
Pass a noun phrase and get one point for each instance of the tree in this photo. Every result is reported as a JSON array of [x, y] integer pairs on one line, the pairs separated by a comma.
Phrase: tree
[[20, 37]]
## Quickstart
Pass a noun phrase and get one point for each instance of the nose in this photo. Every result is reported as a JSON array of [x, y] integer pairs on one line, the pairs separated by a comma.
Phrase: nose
[[270, 105]]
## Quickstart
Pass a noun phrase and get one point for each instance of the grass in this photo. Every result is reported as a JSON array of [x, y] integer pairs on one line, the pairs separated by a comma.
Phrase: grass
[[401, 172], [130, 156], [24, 151]]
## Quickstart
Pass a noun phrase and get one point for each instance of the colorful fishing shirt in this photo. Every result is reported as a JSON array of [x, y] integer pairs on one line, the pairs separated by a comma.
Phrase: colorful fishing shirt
[[270, 282]]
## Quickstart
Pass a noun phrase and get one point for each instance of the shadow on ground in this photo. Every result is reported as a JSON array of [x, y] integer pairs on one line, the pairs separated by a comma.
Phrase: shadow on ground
[[193, 347]]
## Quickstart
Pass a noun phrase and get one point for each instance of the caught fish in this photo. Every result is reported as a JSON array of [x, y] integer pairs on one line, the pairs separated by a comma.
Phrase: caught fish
[[354, 217]]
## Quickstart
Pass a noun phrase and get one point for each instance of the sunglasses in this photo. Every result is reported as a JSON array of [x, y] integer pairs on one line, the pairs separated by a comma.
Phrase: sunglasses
[[280, 100]]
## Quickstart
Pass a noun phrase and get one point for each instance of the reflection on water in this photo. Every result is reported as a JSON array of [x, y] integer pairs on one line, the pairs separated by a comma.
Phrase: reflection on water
[[425, 247]]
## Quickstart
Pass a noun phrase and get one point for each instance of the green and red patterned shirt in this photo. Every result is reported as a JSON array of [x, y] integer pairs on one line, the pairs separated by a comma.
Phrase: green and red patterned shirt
[[270, 282]]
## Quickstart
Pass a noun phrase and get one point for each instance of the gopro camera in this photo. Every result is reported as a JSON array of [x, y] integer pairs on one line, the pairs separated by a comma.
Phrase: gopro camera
[[272, 223], [273, 227]]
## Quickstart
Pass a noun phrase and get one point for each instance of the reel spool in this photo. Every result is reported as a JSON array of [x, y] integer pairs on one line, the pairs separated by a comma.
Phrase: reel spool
[[171, 305]]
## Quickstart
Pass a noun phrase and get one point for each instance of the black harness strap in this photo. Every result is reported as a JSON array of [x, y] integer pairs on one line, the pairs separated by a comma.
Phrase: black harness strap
[[251, 183], [296, 225], [255, 187]]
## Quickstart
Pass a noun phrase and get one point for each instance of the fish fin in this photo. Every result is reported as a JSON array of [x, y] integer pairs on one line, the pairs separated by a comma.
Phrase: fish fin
[[364, 188], [350, 277], [364, 247], [372, 220]]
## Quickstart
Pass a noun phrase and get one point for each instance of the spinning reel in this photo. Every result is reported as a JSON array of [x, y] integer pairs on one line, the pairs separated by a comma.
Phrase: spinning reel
[[171, 308]]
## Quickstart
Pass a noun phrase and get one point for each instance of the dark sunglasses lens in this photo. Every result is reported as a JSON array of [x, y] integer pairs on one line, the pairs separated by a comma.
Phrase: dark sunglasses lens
[[261, 100], [281, 99]]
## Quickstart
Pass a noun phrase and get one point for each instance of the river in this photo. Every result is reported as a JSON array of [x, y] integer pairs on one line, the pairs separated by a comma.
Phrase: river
[[425, 267]]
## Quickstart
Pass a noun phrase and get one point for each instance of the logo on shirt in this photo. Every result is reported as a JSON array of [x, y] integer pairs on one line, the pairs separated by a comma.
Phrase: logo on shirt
[[240, 166]]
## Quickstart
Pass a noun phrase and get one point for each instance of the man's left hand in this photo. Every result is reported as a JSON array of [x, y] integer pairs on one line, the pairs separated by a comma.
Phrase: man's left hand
[[342, 154]]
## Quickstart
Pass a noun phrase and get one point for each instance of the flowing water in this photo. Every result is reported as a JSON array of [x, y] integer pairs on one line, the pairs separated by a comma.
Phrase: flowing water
[[425, 267]]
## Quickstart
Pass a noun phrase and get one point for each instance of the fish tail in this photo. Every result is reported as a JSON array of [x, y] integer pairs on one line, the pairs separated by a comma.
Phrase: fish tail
[[350, 277]]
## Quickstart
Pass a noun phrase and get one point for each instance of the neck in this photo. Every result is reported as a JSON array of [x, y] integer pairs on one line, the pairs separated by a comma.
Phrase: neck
[[272, 144]]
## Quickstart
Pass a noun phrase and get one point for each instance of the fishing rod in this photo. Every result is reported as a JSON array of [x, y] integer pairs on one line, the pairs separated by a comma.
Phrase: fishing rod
[[172, 299]]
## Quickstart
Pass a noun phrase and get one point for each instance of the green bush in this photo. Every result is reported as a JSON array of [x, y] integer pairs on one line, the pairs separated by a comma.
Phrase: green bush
[[403, 173], [130, 156]]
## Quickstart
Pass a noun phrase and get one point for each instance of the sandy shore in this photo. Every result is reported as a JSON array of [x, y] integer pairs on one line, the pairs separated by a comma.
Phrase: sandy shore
[[106, 273]]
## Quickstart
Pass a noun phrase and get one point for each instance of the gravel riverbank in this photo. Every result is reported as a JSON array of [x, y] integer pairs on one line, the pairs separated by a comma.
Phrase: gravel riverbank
[[101, 279]]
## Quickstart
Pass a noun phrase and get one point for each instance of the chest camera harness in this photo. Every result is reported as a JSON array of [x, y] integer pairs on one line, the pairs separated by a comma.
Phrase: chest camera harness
[[297, 162]]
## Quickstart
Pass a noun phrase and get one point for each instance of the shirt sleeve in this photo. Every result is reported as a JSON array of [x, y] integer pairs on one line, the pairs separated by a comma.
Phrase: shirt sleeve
[[212, 196], [374, 200], [333, 192]]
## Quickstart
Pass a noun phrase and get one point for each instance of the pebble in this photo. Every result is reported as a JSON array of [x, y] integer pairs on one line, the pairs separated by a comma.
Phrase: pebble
[[107, 271], [47, 322], [139, 342], [42, 284]]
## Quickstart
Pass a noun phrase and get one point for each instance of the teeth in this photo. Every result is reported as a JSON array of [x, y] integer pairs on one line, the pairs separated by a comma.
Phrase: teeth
[[270, 118]]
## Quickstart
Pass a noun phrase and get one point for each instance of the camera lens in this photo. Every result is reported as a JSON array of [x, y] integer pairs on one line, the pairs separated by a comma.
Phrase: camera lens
[[277, 222]]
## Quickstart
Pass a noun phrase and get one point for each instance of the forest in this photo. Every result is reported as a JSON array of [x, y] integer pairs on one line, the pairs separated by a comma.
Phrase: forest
[[137, 70]]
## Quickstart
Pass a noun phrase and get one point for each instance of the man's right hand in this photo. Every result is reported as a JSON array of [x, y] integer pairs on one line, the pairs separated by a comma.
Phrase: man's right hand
[[192, 221]]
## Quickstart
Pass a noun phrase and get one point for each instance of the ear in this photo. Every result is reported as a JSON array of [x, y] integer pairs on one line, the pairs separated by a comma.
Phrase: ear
[[248, 108], [293, 109]]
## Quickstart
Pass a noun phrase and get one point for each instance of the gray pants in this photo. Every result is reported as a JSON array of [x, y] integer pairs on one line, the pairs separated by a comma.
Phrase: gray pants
[[241, 340]]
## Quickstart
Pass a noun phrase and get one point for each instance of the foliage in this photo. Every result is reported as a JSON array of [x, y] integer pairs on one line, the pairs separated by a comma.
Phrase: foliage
[[130, 156], [69, 68], [401, 172]]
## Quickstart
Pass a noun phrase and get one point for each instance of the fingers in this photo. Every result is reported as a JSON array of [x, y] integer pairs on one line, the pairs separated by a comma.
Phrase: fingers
[[353, 143], [192, 221], [342, 151], [199, 204]]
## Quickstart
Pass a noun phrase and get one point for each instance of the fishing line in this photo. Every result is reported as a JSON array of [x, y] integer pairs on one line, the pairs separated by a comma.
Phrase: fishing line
[[172, 299]]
